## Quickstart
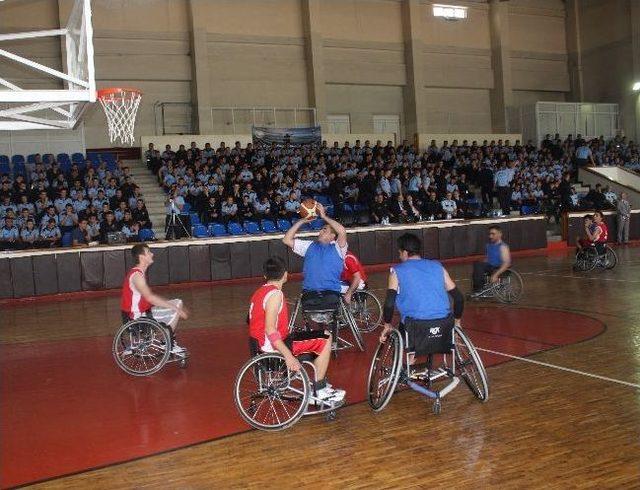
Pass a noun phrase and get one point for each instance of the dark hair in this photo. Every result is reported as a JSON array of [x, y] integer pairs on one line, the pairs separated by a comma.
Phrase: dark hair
[[410, 244], [495, 227], [138, 250], [599, 213], [587, 216], [274, 269]]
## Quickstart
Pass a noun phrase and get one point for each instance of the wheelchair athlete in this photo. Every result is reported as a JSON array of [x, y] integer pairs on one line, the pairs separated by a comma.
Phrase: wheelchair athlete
[[268, 327], [600, 234], [138, 300], [420, 289], [589, 229], [353, 276], [498, 260]]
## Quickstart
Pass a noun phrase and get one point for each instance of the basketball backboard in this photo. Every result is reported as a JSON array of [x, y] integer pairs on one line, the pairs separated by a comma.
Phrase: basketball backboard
[[22, 108]]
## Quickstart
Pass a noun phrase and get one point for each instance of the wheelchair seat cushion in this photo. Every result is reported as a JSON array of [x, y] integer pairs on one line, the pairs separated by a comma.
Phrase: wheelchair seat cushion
[[429, 336], [320, 300]]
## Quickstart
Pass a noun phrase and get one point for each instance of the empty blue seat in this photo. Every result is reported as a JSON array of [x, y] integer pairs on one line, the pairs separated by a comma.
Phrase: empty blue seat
[[17, 159], [63, 158], [67, 239], [252, 227], [268, 226], [20, 169], [195, 219], [146, 235], [31, 158], [65, 167], [235, 229], [4, 159], [77, 158], [331, 210], [283, 224], [529, 210], [200, 231], [4, 168], [217, 229]]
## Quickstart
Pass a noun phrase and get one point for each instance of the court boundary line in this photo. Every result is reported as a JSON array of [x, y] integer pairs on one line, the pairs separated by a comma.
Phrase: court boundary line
[[561, 368]]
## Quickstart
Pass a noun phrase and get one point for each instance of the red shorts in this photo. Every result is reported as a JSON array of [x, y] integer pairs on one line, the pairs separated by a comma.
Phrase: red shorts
[[306, 343]]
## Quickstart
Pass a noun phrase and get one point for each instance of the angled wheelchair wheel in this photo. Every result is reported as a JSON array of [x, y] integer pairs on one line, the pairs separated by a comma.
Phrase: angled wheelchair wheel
[[470, 367], [346, 318], [268, 395], [510, 288], [610, 258], [142, 347], [385, 371], [366, 310], [585, 260]]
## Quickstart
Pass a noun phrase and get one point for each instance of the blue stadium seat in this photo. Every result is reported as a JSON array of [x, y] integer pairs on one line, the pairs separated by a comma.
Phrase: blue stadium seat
[[48, 158], [331, 210], [200, 231], [347, 209], [31, 158], [235, 229], [63, 158], [17, 159], [4, 159], [268, 226], [283, 224], [20, 169], [252, 228], [146, 235], [4, 168], [529, 210], [324, 200], [217, 229], [195, 219], [77, 158], [67, 239], [186, 208], [65, 167]]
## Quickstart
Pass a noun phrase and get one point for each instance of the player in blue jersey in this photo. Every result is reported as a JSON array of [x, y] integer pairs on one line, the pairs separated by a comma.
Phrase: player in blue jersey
[[498, 260], [323, 261], [421, 289]]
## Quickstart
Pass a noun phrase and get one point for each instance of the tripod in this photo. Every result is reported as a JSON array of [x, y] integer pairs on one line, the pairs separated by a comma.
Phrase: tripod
[[175, 226]]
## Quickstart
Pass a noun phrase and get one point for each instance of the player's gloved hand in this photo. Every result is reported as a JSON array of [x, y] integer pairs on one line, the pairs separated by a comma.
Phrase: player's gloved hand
[[292, 363], [385, 332]]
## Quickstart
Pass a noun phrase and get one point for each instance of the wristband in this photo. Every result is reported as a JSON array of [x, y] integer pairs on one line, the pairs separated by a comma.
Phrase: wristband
[[274, 337]]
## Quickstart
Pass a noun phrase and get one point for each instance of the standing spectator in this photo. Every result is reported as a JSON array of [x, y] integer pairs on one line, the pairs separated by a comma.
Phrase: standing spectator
[[623, 218], [502, 180], [449, 208], [584, 156], [486, 183]]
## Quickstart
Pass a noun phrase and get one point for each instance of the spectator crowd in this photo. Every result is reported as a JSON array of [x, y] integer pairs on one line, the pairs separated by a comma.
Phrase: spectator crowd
[[44, 204]]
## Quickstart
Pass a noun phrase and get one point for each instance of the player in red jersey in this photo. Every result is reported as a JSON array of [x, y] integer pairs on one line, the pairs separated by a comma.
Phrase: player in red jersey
[[269, 328], [600, 234], [138, 299], [353, 276]]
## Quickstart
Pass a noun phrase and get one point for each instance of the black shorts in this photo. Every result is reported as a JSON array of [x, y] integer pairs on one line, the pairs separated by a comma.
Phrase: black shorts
[[429, 336], [320, 300]]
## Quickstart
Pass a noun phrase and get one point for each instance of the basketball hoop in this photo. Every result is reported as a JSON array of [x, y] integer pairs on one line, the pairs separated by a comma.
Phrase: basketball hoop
[[120, 106]]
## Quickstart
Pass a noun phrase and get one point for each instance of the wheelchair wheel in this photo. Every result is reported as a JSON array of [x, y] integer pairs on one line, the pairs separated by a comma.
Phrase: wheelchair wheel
[[585, 260], [366, 310], [385, 371], [470, 366], [346, 318], [610, 258], [269, 396], [510, 288], [142, 347]]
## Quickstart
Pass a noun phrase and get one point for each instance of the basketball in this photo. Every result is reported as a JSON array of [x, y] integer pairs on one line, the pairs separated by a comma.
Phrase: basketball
[[308, 208]]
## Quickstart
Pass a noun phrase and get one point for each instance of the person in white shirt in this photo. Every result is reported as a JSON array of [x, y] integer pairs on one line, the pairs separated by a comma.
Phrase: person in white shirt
[[449, 207]]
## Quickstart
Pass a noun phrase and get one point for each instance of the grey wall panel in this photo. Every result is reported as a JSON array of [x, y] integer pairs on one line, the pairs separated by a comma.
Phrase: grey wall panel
[[114, 268], [278, 249], [430, 245], [259, 252], [295, 261], [220, 261], [22, 277], [516, 235], [445, 243], [461, 246], [240, 259], [158, 273], [128, 260], [384, 247], [199, 263], [45, 274], [92, 268], [178, 264], [634, 227], [6, 286], [353, 239], [367, 247], [69, 273]]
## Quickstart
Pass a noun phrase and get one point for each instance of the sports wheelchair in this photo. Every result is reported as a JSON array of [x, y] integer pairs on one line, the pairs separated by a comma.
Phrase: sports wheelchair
[[271, 397], [366, 310], [588, 259], [332, 320], [392, 364], [507, 289], [143, 346]]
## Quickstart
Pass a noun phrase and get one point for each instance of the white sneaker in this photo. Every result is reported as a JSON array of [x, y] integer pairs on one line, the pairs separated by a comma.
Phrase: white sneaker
[[330, 395], [177, 349]]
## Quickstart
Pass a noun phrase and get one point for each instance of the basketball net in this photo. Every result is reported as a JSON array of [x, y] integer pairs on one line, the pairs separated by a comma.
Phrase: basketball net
[[120, 107]]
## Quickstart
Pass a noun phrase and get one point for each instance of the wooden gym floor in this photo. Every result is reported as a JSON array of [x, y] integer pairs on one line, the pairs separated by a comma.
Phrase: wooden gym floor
[[66, 407]]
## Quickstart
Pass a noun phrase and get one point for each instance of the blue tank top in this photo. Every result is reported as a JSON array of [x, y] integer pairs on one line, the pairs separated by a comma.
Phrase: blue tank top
[[421, 291], [322, 268], [493, 254]]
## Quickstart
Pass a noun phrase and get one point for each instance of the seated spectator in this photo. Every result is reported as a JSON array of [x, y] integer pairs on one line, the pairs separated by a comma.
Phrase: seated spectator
[[29, 235], [611, 197], [50, 214], [413, 213], [245, 209], [292, 206], [397, 210], [263, 208], [50, 235], [80, 235], [67, 219], [211, 212], [229, 211], [141, 215], [9, 235], [107, 226], [432, 209], [93, 228], [449, 208], [132, 231]]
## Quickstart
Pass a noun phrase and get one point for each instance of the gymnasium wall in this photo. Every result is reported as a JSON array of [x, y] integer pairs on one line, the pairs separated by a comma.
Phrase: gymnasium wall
[[340, 56]]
